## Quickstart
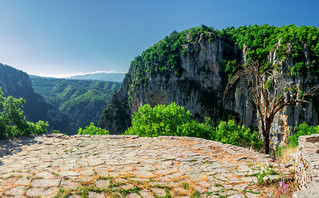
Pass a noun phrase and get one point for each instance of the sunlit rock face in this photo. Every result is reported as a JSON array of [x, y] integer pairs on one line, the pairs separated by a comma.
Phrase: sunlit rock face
[[200, 89]]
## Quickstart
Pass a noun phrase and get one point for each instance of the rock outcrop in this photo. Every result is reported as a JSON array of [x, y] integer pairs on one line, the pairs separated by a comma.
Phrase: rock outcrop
[[290, 116], [18, 84], [200, 85], [199, 88]]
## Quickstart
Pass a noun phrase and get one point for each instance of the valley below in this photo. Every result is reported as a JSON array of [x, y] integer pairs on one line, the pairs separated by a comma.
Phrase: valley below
[[82, 100]]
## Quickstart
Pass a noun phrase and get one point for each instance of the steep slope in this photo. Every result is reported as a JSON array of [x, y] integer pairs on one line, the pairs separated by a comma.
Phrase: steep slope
[[82, 100], [192, 68], [18, 84]]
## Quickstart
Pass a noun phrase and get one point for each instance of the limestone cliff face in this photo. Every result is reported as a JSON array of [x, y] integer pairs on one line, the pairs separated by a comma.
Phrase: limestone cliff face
[[18, 84], [290, 116], [200, 86]]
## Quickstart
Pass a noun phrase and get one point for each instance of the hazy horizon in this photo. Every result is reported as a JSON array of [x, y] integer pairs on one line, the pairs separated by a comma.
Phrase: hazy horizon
[[76, 74]]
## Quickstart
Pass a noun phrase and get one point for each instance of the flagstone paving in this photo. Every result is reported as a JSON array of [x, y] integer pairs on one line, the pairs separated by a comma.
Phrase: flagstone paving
[[130, 166]]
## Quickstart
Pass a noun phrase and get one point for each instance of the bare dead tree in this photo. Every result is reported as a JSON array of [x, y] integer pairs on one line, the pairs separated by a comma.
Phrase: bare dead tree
[[270, 93]]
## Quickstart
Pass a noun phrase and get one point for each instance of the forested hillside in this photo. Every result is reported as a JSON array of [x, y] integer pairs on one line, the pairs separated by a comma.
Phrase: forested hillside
[[17, 84], [82, 100]]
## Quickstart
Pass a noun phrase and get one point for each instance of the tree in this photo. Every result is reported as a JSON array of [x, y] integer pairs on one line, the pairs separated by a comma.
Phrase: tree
[[92, 130], [270, 94], [167, 120], [12, 121]]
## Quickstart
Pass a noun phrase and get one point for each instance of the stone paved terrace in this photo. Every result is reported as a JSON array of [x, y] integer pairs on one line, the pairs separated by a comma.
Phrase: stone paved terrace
[[129, 166]]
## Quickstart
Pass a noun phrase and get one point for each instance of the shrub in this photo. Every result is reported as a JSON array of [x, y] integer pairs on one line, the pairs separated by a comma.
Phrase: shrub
[[173, 120], [92, 130], [56, 131], [302, 129], [228, 132], [12, 121], [166, 120]]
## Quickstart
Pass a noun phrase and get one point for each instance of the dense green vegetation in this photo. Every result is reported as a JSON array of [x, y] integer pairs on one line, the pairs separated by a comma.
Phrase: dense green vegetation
[[92, 130], [302, 129], [59, 91], [82, 100], [162, 120], [261, 40], [165, 55], [173, 120], [231, 133], [12, 121]]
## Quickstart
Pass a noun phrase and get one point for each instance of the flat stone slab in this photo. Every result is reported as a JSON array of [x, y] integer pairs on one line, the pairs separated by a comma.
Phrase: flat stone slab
[[128, 166]]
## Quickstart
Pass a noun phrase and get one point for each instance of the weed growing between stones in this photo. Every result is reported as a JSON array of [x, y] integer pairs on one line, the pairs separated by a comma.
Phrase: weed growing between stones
[[116, 188], [185, 185], [195, 195], [281, 184]]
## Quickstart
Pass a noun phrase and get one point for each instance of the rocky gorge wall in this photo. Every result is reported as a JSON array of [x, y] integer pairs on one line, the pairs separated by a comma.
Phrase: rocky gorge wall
[[18, 84], [290, 116], [200, 89]]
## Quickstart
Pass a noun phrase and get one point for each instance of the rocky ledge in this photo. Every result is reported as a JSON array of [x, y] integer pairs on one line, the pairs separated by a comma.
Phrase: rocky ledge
[[307, 166], [130, 166]]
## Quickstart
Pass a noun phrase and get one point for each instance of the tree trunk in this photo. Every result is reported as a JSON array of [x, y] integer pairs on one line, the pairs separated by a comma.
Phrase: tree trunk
[[266, 144], [265, 133]]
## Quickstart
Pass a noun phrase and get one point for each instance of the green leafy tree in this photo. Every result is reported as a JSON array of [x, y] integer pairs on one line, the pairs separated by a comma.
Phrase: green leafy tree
[[12, 121], [92, 130], [166, 120], [173, 120]]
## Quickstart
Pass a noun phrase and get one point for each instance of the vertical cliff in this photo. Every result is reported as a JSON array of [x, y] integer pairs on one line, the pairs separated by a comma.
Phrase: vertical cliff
[[195, 83], [192, 68], [18, 84]]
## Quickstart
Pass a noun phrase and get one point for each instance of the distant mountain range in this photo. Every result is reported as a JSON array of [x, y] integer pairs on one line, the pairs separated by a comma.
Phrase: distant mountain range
[[102, 76]]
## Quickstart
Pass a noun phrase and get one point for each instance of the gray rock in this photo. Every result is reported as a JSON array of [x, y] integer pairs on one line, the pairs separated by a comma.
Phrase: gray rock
[[307, 166], [16, 191], [45, 182], [69, 174]]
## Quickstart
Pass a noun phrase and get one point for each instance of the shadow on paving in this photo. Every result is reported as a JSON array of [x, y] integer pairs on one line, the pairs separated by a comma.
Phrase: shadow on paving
[[14, 145]]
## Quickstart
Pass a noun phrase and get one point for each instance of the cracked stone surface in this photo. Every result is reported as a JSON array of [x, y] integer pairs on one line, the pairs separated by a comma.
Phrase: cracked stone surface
[[128, 166]]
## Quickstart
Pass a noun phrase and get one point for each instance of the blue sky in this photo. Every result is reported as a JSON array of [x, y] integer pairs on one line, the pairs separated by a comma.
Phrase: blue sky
[[63, 37]]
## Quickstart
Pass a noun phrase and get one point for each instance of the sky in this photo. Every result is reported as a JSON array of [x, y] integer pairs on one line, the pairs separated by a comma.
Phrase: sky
[[59, 38]]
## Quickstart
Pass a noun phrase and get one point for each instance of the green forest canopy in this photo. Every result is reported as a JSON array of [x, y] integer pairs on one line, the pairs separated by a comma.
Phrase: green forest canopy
[[72, 96], [165, 55]]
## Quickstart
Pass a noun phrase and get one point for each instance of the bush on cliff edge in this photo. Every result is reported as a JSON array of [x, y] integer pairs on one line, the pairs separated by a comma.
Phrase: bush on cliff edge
[[166, 120], [173, 120], [92, 130]]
